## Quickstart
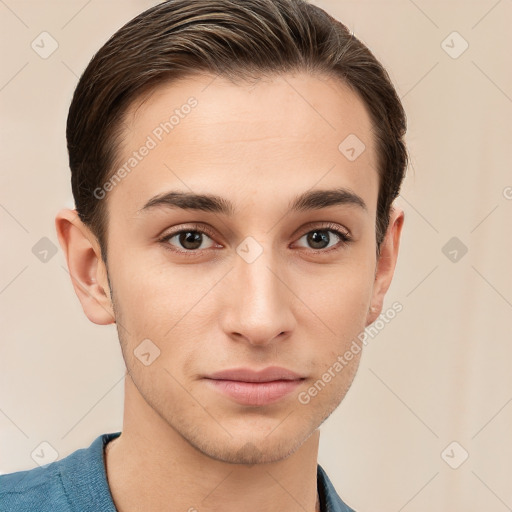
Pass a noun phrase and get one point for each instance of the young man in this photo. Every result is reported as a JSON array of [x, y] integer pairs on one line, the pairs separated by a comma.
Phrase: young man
[[234, 165]]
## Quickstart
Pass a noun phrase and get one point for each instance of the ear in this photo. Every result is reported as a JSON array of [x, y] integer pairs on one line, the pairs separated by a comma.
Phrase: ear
[[386, 263], [86, 267]]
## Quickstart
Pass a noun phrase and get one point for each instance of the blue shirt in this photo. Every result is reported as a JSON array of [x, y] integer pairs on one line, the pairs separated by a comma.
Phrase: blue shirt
[[78, 483]]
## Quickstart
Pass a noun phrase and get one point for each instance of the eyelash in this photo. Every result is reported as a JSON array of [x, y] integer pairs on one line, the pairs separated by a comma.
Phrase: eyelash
[[344, 237]]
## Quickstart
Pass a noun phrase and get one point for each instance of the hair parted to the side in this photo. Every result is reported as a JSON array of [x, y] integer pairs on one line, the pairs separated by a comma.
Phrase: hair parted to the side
[[236, 39]]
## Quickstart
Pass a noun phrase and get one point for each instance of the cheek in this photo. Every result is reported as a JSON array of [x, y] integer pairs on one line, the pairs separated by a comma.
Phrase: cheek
[[165, 303], [151, 289], [340, 295], [336, 315]]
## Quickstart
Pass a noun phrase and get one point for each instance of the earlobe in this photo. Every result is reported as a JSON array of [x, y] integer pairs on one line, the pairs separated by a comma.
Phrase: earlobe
[[386, 263], [86, 268]]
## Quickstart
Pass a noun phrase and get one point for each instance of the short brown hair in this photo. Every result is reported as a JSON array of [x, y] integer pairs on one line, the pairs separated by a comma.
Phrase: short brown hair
[[234, 39]]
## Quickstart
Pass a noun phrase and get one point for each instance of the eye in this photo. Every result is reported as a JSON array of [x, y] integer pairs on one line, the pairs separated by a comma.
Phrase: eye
[[193, 240], [325, 238], [187, 241]]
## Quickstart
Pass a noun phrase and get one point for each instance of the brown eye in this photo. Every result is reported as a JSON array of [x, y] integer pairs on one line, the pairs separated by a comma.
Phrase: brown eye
[[321, 239], [190, 240], [186, 241], [318, 239]]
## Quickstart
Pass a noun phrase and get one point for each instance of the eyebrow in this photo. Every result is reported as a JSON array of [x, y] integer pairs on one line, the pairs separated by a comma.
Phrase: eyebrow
[[307, 201]]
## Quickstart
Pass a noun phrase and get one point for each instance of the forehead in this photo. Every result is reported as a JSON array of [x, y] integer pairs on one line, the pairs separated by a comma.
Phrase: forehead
[[206, 134]]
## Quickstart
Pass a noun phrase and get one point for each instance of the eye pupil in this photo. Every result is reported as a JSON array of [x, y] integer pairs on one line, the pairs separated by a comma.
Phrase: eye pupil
[[190, 237], [318, 237]]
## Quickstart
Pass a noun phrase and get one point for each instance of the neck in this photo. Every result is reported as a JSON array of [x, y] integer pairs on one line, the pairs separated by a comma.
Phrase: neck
[[150, 466]]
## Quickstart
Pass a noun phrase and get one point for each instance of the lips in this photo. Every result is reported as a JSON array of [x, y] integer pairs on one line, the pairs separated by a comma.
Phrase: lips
[[269, 374], [256, 388]]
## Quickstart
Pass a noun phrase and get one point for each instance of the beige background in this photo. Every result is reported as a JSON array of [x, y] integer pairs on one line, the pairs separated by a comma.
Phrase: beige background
[[438, 373]]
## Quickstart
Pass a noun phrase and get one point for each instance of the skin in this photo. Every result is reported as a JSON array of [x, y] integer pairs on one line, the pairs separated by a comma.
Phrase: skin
[[183, 444]]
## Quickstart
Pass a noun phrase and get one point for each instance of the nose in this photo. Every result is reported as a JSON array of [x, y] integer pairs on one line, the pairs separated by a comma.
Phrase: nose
[[257, 305]]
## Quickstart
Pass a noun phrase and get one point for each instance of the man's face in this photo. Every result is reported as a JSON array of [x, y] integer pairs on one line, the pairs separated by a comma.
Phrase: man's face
[[264, 286]]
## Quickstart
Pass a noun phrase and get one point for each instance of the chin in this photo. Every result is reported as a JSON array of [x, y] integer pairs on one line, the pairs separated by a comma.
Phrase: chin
[[250, 454]]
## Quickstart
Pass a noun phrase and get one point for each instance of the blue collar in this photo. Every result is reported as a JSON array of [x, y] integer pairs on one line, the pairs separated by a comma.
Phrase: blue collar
[[85, 480]]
